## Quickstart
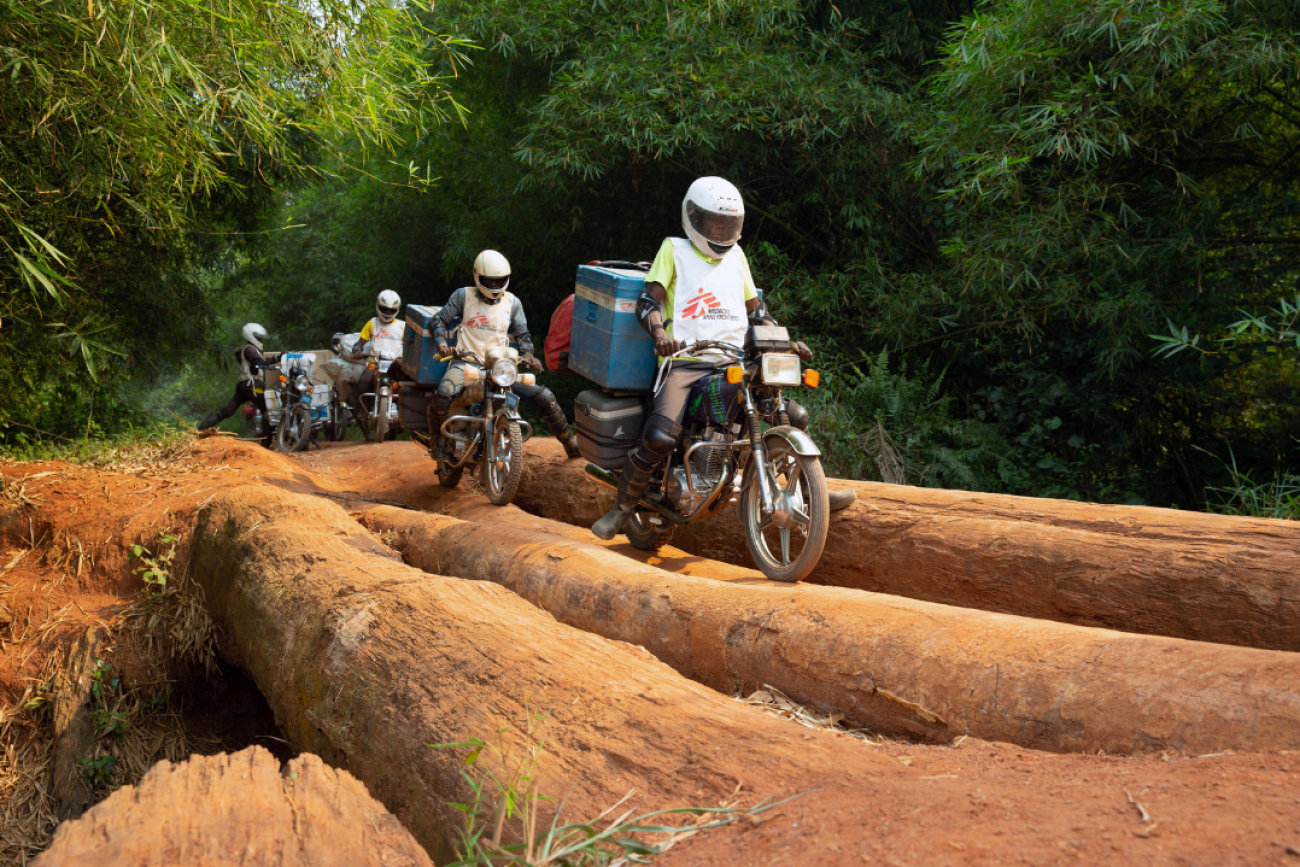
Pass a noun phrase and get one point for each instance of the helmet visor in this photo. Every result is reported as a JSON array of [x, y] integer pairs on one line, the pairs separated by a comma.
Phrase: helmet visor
[[385, 310], [493, 284], [720, 230]]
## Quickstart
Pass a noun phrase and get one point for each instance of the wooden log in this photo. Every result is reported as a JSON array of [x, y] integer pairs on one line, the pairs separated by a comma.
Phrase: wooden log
[[899, 666], [237, 809], [1188, 575], [367, 662]]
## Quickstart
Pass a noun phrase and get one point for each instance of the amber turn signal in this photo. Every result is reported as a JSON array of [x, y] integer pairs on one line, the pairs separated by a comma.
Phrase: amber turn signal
[[811, 378], [735, 375]]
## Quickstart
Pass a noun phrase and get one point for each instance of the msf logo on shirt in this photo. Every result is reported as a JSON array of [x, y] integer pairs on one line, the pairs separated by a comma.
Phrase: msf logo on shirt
[[705, 305], [700, 304], [478, 321]]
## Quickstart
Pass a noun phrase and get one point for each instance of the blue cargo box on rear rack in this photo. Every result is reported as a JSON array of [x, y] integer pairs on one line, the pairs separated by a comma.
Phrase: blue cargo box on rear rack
[[607, 344], [419, 349]]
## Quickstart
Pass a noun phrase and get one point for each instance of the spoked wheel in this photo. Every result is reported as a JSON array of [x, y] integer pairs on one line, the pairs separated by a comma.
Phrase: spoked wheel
[[645, 535], [295, 430], [500, 477], [786, 544], [381, 417]]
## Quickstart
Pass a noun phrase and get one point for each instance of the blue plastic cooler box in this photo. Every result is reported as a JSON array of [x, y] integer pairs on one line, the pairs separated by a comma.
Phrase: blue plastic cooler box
[[607, 344], [419, 348]]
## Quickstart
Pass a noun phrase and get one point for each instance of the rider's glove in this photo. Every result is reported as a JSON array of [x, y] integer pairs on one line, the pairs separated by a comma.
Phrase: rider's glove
[[532, 362], [801, 349]]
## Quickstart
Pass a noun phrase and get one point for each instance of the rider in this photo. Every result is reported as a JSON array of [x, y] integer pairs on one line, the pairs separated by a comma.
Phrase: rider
[[675, 315], [490, 318], [381, 337], [249, 357]]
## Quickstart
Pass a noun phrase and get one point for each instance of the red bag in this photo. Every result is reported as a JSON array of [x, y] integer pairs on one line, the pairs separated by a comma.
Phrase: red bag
[[558, 337]]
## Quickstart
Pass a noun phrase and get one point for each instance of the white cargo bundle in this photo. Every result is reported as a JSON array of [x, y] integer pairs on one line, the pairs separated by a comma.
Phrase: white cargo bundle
[[346, 366]]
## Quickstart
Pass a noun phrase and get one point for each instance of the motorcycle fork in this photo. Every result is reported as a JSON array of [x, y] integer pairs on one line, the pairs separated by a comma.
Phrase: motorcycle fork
[[758, 452], [489, 429]]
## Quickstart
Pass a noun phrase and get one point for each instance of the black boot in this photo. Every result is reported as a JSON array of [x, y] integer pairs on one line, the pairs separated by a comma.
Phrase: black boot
[[559, 425], [636, 477], [437, 443], [840, 499], [211, 421]]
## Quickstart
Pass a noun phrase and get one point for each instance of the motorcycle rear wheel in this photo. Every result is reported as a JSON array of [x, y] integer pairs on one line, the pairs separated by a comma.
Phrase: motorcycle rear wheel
[[295, 430], [801, 486], [500, 478], [646, 536]]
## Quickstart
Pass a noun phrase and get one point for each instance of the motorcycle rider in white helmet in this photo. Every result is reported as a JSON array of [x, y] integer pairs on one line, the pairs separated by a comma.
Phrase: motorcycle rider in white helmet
[[381, 337], [490, 317], [249, 387], [698, 288]]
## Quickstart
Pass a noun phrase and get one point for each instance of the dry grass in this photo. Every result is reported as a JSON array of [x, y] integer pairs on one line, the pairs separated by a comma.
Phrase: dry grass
[[771, 700], [169, 628]]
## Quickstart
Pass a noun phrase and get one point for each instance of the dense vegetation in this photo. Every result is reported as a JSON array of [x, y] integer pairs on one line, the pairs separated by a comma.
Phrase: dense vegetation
[[983, 215]]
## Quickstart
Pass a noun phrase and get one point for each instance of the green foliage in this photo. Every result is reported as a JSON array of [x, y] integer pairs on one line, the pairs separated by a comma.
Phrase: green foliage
[[141, 138], [900, 428], [1023, 191], [98, 772], [1279, 497], [155, 570]]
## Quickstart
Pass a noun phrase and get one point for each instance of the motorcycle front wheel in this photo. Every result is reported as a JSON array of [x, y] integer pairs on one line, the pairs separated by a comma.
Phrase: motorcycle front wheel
[[295, 430], [786, 544], [645, 535], [381, 417], [500, 478]]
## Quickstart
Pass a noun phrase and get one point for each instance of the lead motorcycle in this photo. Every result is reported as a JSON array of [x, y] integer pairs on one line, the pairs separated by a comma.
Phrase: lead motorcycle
[[485, 430], [739, 448]]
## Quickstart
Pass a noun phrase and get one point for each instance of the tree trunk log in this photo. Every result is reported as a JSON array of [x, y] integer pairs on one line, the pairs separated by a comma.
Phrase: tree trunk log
[[902, 667], [237, 809]]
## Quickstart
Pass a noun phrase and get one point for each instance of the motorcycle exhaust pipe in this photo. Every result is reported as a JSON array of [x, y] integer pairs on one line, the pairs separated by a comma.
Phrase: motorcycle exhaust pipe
[[605, 477]]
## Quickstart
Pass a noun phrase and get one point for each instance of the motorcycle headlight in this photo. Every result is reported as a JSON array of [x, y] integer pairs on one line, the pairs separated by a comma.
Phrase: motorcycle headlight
[[781, 369], [302, 384], [504, 372]]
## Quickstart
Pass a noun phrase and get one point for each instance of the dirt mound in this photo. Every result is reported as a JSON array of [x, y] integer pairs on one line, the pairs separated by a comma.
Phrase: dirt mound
[[235, 810]]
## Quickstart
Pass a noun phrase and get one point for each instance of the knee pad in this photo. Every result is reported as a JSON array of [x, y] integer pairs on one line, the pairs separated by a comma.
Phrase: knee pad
[[798, 416], [545, 401], [660, 438]]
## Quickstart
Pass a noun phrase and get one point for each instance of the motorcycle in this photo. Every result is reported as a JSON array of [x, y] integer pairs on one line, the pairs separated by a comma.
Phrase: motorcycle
[[378, 419], [739, 448], [289, 407], [377, 414], [485, 431]]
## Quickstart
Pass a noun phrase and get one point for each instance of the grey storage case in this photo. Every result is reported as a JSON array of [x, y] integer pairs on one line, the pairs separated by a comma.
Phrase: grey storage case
[[608, 426], [413, 406]]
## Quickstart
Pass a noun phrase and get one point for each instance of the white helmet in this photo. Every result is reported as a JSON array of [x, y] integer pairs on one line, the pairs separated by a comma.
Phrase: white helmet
[[712, 214], [254, 334], [387, 305], [491, 274]]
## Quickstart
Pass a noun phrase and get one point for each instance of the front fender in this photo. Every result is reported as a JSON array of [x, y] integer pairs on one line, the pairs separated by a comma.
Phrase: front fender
[[797, 441]]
